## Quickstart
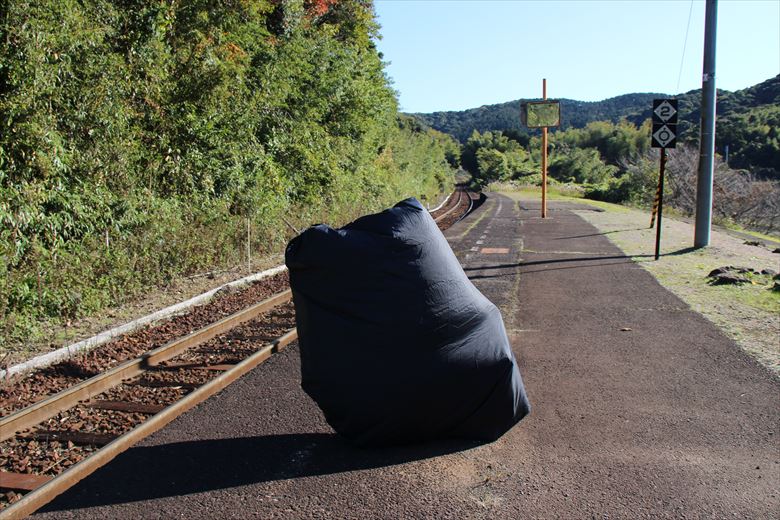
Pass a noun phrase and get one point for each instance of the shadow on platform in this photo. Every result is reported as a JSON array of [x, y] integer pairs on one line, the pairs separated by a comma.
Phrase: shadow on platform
[[600, 234], [581, 260], [181, 468]]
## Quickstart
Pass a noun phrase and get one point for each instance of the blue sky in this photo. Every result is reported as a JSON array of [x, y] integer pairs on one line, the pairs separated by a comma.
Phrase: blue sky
[[453, 55]]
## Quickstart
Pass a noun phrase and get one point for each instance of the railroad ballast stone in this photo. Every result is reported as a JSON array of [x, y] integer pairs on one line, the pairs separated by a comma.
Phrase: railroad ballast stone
[[24, 389]]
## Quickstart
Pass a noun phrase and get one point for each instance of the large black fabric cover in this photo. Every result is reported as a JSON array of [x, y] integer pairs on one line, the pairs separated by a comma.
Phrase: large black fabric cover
[[396, 343]]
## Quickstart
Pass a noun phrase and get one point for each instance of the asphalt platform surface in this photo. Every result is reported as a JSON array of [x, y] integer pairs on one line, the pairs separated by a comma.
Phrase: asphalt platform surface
[[641, 409]]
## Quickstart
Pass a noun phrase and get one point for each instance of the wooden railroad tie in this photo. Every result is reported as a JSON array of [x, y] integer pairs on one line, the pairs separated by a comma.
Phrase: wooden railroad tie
[[126, 406], [80, 438]]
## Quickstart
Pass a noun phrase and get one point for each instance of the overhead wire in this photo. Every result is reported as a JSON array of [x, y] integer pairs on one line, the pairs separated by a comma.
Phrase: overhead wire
[[685, 45]]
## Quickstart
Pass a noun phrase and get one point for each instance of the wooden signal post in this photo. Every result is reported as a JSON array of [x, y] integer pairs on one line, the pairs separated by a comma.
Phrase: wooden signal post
[[542, 114], [544, 155], [660, 203]]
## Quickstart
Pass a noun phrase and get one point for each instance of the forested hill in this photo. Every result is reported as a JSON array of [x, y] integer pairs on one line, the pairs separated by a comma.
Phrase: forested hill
[[748, 119], [632, 107], [506, 116]]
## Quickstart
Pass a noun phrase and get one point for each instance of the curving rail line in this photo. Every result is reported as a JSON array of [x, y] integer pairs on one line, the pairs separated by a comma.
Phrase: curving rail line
[[449, 206], [41, 489]]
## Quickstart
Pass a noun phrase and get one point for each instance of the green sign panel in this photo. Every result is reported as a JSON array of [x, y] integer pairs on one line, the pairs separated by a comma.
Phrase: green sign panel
[[538, 114]]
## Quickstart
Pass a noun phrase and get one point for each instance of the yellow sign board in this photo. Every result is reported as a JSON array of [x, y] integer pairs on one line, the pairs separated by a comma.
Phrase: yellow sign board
[[540, 114]]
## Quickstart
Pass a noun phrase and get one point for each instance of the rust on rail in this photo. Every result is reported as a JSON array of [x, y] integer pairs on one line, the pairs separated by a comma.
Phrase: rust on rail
[[49, 490], [22, 481], [51, 406]]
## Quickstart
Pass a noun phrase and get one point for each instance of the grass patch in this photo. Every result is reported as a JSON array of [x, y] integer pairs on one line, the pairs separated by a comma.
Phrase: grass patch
[[735, 227], [748, 313], [758, 296], [554, 191]]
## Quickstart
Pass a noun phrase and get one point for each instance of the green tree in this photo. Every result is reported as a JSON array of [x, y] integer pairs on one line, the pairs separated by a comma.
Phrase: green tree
[[581, 166], [140, 136]]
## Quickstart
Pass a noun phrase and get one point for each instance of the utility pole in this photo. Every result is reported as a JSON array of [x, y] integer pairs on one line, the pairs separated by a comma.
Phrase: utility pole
[[707, 144]]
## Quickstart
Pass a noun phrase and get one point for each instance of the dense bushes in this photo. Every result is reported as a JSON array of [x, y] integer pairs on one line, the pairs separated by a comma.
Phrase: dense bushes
[[738, 196], [613, 163], [753, 138], [608, 159], [586, 156], [493, 156], [748, 122], [138, 138]]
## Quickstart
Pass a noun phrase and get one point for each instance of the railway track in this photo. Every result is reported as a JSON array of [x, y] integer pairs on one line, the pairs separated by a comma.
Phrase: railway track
[[457, 206], [63, 422]]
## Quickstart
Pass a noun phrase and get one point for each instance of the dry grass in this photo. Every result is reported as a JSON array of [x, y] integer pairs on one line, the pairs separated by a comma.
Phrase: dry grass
[[54, 336]]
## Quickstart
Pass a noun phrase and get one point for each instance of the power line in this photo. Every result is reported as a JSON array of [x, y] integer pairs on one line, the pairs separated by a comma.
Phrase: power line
[[685, 44]]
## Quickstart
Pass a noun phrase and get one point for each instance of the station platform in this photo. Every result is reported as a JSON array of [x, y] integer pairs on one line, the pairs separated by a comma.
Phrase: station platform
[[641, 408]]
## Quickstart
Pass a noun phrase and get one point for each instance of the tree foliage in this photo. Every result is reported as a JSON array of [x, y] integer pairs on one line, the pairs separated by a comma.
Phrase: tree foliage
[[493, 156], [747, 122], [753, 138], [138, 136], [580, 166]]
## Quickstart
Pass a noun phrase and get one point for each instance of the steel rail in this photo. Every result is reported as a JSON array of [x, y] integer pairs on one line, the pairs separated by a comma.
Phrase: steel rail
[[51, 406], [88, 344], [471, 207], [41, 496]]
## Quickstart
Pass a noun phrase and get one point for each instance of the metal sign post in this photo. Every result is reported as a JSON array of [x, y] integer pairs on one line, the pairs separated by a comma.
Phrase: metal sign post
[[542, 114], [664, 136]]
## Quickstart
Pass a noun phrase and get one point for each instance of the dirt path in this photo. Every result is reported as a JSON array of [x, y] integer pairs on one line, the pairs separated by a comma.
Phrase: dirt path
[[641, 409]]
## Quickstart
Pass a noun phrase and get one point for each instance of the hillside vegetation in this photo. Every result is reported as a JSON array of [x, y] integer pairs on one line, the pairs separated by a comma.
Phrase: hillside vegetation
[[603, 151], [141, 139], [613, 162], [748, 121]]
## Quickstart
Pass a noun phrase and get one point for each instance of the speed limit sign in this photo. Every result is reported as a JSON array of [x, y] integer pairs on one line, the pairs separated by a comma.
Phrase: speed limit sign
[[664, 123]]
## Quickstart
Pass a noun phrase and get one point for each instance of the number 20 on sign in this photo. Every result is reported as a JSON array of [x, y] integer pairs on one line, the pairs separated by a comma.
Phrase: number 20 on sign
[[664, 135]]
